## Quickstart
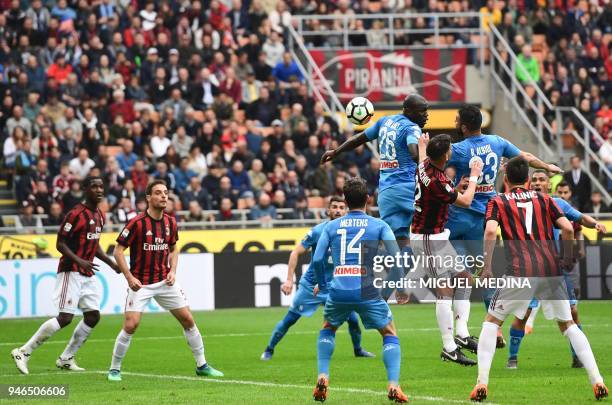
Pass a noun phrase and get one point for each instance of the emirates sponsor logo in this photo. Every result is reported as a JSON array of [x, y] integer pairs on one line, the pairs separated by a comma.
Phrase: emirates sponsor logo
[[347, 271], [389, 164], [158, 245]]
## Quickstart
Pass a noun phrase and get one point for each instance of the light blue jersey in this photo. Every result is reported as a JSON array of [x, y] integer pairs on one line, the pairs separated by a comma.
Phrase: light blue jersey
[[490, 149], [397, 170], [394, 134], [344, 236], [310, 242]]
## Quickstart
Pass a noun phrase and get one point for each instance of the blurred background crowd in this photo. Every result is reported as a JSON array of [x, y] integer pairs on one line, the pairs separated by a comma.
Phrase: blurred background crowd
[[204, 95]]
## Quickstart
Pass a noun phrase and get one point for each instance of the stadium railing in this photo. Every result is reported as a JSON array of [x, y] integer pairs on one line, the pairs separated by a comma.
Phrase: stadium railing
[[533, 112]]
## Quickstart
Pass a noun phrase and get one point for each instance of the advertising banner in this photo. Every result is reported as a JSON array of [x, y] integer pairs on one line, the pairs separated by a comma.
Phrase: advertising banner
[[437, 74]]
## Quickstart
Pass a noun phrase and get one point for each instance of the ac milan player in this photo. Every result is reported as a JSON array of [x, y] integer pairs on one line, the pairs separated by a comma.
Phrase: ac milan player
[[429, 238], [151, 237], [78, 242], [527, 217]]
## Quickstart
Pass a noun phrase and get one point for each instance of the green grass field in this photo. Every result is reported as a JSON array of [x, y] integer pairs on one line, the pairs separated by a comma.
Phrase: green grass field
[[159, 366]]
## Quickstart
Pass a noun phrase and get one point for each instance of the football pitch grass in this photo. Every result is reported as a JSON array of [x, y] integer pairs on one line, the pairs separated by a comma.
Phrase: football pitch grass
[[159, 366]]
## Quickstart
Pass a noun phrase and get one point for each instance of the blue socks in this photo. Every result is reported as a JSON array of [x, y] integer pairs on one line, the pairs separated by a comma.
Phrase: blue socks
[[354, 330], [516, 336], [325, 349], [572, 347], [281, 329], [392, 355]]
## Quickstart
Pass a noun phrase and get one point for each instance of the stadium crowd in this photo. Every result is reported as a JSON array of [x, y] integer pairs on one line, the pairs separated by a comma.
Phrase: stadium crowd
[[204, 95]]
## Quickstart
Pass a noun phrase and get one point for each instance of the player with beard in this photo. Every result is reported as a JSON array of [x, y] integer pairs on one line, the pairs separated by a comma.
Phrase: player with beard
[[151, 237]]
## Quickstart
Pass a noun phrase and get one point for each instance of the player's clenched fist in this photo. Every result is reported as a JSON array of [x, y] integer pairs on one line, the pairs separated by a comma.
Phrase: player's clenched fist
[[287, 287], [328, 156], [134, 284], [170, 278]]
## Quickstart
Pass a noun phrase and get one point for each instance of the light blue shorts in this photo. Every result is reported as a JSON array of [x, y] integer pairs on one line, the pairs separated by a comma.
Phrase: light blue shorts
[[396, 208], [374, 314], [305, 303]]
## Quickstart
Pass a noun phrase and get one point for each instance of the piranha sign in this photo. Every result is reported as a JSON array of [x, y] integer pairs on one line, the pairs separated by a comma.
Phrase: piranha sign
[[437, 74]]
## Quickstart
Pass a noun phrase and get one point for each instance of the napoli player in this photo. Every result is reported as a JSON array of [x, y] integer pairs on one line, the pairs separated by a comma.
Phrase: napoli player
[[305, 302], [76, 287], [397, 136], [527, 217], [467, 224], [540, 182], [344, 236]]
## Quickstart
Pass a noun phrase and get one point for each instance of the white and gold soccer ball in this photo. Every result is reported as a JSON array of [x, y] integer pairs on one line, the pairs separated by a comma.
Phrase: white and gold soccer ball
[[359, 110]]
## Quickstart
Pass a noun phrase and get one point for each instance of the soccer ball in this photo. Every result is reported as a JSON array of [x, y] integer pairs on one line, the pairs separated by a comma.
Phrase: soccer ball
[[359, 110]]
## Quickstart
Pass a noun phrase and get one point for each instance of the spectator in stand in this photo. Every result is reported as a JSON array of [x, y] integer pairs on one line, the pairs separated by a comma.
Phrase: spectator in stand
[[301, 210], [224, 191], [160, 142], [59, 70], [127, 158], [55, 217], [73, 197], [182, 142], [123, 107], [293, 189], [125, 211], [162, 173], [239, 178], [579, 182], [530, 71], [18, 120], [286, 70], [257, 177], [195, 213], [61, 182], [225, 211], [42, 199], [195, 192], [264, 211], [139, 176], [183, 175], [26, 218], [596, 205], [81, 165]]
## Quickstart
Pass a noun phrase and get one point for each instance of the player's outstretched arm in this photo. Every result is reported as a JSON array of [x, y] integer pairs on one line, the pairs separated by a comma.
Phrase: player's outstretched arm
[[538, 164], [297, 251], [353, 142], [65, 250], [590, 222], [465, 199], [423, 142], [100, 254], [119, 256]]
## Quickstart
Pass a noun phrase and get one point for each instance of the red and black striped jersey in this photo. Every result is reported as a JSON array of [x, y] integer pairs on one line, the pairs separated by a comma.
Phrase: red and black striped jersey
[[527, 219], [434, 193], [150, 242], [80, 230]]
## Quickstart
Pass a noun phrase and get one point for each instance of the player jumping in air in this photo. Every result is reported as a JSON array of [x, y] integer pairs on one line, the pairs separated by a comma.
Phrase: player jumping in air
[[344, 236], [305, 302], [434, 193], [467, 224], [540, 182], [76, 287], [526, 219], [397, 136], [151, 237]]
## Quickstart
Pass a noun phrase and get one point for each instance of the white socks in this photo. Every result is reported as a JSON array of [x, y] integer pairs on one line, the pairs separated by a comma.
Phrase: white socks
[[194, 339], [43, 333], [486, 350], [444, 315], [581, 346], [121, 346], [462, 311], [79, 336]]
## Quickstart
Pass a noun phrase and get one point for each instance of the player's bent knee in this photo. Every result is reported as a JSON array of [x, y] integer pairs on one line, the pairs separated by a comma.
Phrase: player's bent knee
[[327, 325], [91, 318], [564, 325], [64, 319], [492, 319], [519, 324], [388, 330]]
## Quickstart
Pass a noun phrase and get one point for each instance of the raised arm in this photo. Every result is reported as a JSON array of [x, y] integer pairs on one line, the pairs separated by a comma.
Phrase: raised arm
[[465, 199], [538, 164], [352, 143]]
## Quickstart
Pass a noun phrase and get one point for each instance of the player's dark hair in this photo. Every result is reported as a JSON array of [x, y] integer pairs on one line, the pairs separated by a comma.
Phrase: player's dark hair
[[438, 146], [563, 183], [154, 183], [539, 171], [470, 116], [88, 180], [355, 192], [336, 198], [517, 170]]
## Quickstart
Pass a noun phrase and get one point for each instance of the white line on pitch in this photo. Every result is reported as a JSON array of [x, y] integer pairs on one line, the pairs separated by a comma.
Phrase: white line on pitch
[[245, 382]]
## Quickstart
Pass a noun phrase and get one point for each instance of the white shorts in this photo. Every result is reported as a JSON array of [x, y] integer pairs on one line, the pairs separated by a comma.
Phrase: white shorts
[[75, 291], [550, 291], [168, 297], [434, 255]]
